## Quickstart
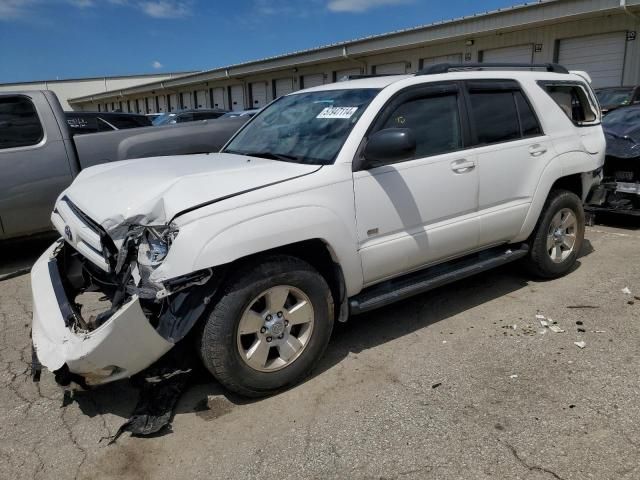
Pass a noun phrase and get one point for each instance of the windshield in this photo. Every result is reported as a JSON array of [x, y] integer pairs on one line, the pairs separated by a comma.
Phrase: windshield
[[620, 96], [304, 128], [165, 119]]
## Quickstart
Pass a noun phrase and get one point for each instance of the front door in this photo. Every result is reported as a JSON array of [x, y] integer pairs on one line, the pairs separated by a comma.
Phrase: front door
[[422, 210]]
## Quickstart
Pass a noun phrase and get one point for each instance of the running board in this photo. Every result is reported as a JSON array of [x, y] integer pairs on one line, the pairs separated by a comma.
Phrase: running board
[[419, 282]]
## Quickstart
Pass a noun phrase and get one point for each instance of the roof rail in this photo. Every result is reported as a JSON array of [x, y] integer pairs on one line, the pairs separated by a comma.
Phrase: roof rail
[[368, 75], [447, 67]]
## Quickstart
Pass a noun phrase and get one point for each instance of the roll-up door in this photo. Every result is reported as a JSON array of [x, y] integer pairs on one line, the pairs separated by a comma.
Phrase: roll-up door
[[258, 94], [314, 80], [162, 104], [344, 74], [454, 58], [601, 56], [390, 68], [218, 97], [517, 54], [284, 86], [201, 97], [173, 102], [187, 100], [237, 97]]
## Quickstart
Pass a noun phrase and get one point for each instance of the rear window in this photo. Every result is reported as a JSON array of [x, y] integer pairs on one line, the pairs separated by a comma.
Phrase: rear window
[[19, 123], [501, 116], [574, 101]]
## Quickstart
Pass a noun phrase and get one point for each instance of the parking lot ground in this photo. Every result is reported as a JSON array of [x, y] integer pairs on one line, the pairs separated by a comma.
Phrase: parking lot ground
[[460, 383]]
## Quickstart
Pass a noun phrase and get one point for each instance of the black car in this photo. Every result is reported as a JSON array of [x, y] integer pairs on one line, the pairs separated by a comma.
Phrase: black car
[[188, 116], [615, 97], [91, 122], [620, 190]]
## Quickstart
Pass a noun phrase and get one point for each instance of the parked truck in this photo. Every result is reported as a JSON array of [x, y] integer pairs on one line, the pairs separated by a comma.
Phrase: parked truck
[[40, 156]]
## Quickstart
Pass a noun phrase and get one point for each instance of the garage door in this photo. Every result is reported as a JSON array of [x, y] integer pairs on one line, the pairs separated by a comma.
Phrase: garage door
[[601, 56], [217, 97], [162, 104], [186, 101], [454, 58], [258, 94], [237, 97], [201, 97], [517, 54], [284, 86], [173, 102], [341, 75], [390, 68], [314, 80]]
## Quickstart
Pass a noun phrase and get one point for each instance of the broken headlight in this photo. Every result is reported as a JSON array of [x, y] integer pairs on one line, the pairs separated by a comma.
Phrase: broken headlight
[[154, 245]]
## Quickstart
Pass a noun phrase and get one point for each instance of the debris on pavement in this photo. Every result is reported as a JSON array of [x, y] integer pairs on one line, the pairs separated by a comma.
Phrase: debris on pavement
[[556, 329], [513, 376], [626, 291], [436, 385], [579, 322], [599, 331], [582, 306], [581, 330], [580, 344], [163, 383]]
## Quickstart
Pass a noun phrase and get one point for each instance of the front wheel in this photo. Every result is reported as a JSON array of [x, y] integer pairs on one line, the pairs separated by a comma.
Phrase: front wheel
[[557, 240], [269, 328]]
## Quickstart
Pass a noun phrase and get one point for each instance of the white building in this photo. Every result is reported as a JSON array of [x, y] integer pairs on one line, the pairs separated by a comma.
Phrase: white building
[[599, 36], [75, 87]]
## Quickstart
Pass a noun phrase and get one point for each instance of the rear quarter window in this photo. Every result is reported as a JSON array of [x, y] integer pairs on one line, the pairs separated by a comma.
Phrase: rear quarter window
[[574, 100], [19, 123]]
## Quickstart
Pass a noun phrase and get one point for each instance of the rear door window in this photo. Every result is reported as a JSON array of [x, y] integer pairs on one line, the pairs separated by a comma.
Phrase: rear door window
[[19, 123], [500, 112]]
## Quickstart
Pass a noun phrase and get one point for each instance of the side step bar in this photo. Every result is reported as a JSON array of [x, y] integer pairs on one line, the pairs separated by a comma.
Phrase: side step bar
[[419, 282]]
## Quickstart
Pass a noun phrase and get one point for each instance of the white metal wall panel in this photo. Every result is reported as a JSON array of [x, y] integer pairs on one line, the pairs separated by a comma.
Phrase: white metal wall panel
[[314, 80], [218, 97], [201, 96], [601, 56], [258, 94], [284, 86], [454, 58], [237, 97], [516, 54], [391, 68], [343, 74]]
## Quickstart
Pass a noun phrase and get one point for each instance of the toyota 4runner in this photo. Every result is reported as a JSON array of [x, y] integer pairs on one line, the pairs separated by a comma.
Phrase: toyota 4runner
[[330, 202]]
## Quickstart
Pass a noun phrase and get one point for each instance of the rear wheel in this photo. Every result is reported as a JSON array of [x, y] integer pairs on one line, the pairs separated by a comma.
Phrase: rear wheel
[[269, 328], [557, 240]]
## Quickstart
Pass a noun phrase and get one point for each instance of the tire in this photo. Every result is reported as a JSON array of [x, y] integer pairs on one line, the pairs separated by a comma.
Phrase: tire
[[544, 241], [244, 301]]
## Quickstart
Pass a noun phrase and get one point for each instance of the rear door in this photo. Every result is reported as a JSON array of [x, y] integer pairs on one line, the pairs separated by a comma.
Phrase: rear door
[[512, 151], [423, 210], [34, 164]]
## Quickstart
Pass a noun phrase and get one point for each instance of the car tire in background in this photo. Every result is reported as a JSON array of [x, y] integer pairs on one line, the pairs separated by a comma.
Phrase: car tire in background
[[270, 326], [557, 239]]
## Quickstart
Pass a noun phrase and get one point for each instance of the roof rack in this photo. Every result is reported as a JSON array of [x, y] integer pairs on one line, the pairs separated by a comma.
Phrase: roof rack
[[447, 67], [369, 75]]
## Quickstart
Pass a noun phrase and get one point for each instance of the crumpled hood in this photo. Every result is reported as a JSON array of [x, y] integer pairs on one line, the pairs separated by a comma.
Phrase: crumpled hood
[[623, 143], [151, 191]]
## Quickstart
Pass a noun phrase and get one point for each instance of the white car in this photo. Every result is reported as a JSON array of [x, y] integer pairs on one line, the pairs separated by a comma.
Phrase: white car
[[330, 202]]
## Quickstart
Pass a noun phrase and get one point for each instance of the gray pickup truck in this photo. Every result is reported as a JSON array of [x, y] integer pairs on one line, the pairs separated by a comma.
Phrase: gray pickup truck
[[40, 156]]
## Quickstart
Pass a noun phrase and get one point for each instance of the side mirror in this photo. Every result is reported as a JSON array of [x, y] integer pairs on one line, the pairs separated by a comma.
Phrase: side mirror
[[390, 145]]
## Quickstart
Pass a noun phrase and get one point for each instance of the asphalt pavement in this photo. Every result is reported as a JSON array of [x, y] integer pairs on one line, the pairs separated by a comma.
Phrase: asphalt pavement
[[461, 383]]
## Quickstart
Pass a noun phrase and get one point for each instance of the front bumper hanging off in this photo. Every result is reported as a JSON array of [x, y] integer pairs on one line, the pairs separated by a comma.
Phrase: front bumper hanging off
[[121, 347]]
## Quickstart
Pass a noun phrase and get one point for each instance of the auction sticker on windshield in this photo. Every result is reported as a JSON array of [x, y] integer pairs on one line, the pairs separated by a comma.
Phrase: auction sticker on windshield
[[337, 112]]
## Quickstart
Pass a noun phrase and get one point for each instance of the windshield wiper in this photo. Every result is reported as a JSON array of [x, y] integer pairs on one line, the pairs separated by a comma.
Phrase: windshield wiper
[[268, 155]]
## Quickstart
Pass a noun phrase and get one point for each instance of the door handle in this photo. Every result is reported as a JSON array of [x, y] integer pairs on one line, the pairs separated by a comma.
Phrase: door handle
[[463, 166], [537, 150]]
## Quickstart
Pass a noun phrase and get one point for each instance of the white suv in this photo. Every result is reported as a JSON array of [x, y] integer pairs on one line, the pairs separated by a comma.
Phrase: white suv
[[331, 201]]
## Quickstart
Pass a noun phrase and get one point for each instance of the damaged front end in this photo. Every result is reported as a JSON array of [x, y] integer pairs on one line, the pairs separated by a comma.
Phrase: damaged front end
[[620, 190], [98, 314]]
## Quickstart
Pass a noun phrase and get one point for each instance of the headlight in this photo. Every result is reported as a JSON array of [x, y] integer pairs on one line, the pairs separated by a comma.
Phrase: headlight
[[154, 245]]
